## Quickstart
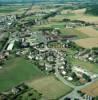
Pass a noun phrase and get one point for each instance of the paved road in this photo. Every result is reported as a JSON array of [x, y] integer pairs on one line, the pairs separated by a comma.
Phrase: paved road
[[60, 77]]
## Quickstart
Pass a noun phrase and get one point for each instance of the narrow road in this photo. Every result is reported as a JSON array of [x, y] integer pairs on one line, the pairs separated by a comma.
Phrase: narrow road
[[57, 74], [74, 93]]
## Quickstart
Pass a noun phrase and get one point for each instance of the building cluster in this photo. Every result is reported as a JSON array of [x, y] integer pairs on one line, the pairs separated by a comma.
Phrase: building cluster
[[81, 73], [90, 55], [5, 21]]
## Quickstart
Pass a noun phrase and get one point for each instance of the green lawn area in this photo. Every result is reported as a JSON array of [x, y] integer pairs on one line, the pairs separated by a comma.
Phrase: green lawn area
[[17, 70], [50, 87]]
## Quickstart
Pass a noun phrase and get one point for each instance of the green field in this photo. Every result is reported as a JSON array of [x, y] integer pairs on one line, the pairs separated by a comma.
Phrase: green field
[[12, 9], [50, 87], [17, 70], [66, 31]]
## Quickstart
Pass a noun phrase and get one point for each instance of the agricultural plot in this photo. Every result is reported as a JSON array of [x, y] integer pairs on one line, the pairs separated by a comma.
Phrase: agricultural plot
[[87, 42], [17, 70], [71, 31], [76, 15], [90, 31], [5, 10], [50, 87], [91, 90]]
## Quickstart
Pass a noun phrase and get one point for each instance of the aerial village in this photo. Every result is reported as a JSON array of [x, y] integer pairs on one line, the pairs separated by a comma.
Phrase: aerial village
[[53, 53]]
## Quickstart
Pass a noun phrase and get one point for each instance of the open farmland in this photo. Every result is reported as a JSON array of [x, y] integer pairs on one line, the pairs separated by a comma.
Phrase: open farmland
[[90, 31], [75, 15], [12, 9], [90, 42], [17, 70], [50, 87], [79, 34], [87, 42], [78, 11], [91, 90], [82, 17]]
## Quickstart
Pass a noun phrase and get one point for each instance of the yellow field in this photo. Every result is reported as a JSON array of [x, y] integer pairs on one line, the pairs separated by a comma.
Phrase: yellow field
[[87, 42], [91, 90], [90, 31], [79, 11], [50, 87]]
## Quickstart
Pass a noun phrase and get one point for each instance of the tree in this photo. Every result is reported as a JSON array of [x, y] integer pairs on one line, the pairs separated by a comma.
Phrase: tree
[[66, 20], [96, 98], [87, 77], [74, 76]]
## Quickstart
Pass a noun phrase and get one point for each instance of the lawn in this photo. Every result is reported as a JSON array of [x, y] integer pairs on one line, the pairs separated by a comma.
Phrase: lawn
[[50, 87], [17, 70]]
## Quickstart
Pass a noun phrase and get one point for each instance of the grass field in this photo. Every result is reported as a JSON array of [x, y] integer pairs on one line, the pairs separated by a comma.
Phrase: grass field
[[50, 87], [91, 90], [17, 70], [79, 34], [11, 9]]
